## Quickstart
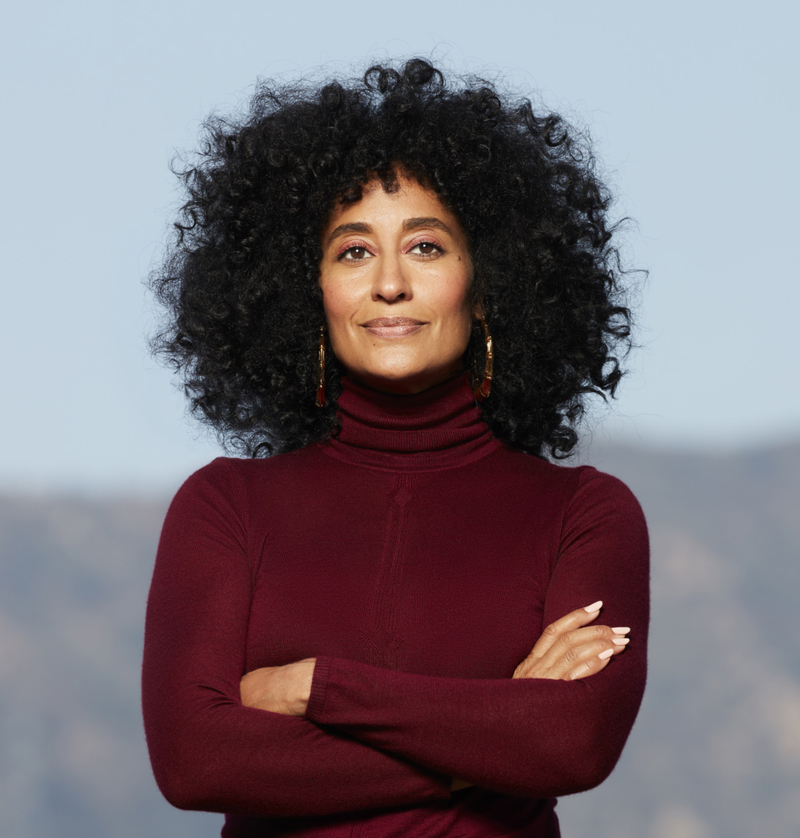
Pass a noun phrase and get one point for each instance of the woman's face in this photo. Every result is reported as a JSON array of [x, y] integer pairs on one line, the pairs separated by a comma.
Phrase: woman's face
[[395, 277]]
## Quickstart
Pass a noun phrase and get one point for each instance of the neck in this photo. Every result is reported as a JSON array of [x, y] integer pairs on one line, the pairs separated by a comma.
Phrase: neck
[[441, 427], [411, 385]]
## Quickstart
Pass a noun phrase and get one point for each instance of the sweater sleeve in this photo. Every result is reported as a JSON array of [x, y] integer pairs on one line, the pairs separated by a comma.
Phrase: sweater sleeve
[[527, 737], [208, 751]]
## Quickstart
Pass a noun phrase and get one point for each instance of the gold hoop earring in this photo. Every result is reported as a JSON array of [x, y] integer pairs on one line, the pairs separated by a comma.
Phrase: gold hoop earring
[[485, 387], [321, 384]]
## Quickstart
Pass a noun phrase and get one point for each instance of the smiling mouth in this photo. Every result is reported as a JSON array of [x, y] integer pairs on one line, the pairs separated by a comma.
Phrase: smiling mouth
[[392, 327]]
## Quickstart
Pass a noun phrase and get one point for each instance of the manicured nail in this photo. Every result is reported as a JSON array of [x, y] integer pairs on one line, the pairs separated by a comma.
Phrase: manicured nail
[[607, 654], [621, 641], [621, 630], [595, 606]]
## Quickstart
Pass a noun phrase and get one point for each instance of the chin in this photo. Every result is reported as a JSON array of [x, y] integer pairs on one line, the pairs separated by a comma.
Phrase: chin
[[405, 381]]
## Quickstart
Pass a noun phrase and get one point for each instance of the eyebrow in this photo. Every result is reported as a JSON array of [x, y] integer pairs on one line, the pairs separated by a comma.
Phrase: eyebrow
[[353, 227], [408, 224], [429, 221]]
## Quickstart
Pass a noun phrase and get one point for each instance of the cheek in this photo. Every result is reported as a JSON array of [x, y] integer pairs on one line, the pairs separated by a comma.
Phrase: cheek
[[338, 304], [340, 309], [454, 300]]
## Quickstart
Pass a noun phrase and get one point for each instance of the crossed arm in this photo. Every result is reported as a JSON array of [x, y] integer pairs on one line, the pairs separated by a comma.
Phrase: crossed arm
[[569, 649], [329, 735]]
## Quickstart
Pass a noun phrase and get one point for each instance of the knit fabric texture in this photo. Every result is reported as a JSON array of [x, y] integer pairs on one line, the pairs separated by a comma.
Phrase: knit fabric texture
[[418, 559]]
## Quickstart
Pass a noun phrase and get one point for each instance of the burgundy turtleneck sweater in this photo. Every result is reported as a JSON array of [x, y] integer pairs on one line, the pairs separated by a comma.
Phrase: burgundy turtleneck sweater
[[417, 558]]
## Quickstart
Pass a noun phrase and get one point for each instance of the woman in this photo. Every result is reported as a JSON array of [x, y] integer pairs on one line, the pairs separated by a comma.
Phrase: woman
[[406, 290]]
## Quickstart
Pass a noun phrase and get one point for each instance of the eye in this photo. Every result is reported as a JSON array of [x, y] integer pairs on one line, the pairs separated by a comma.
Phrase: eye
[[426, 249], [354, 253]]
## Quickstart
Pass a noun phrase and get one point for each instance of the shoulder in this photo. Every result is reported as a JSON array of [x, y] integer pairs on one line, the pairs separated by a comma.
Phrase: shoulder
[[598, 493], [589, 495], [243, 475], [237, 486], [600, 509], [571, 498], [220, 479], [588, 485], [212, 498], [568, 485]]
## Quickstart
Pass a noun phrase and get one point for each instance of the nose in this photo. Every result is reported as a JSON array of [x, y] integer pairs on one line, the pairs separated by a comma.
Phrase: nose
[[391, 284]]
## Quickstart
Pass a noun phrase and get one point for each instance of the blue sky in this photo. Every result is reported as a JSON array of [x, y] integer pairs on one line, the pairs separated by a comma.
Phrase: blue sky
[[694, 112]]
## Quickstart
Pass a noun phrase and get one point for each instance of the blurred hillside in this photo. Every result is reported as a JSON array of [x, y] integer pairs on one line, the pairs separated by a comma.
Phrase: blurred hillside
[[715, 752], [716, 748]]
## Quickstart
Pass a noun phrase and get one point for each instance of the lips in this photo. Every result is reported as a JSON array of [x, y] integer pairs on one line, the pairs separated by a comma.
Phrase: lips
[[392, 327]]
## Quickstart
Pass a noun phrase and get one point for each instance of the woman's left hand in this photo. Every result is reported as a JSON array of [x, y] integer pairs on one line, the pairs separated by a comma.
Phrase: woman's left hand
[[279, 689], [570, 649]]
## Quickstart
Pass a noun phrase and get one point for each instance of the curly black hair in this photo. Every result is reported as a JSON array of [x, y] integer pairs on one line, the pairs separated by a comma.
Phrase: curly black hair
[[239, 281]]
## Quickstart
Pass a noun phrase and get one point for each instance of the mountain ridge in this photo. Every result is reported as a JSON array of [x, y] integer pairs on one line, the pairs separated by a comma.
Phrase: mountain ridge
[[716, 749]]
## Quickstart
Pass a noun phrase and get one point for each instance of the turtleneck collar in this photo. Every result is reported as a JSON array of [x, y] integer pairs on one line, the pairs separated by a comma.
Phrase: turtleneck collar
[[439, 428]]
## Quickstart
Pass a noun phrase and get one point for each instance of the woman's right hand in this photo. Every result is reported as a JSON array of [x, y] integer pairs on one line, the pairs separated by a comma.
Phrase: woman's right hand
[[570, 648]]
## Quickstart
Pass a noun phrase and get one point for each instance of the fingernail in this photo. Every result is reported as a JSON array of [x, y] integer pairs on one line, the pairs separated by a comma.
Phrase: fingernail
[[607, 654], [621, 630], [621, 641], [595, 606]]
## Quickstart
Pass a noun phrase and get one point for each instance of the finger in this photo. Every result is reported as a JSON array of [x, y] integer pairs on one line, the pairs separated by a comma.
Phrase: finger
[[573, 620], [593, 664], [571, 649], [551, 645], [568, 642], [576, 658]]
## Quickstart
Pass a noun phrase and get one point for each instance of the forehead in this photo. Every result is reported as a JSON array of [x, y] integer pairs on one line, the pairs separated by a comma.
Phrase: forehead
[[379, 208]]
